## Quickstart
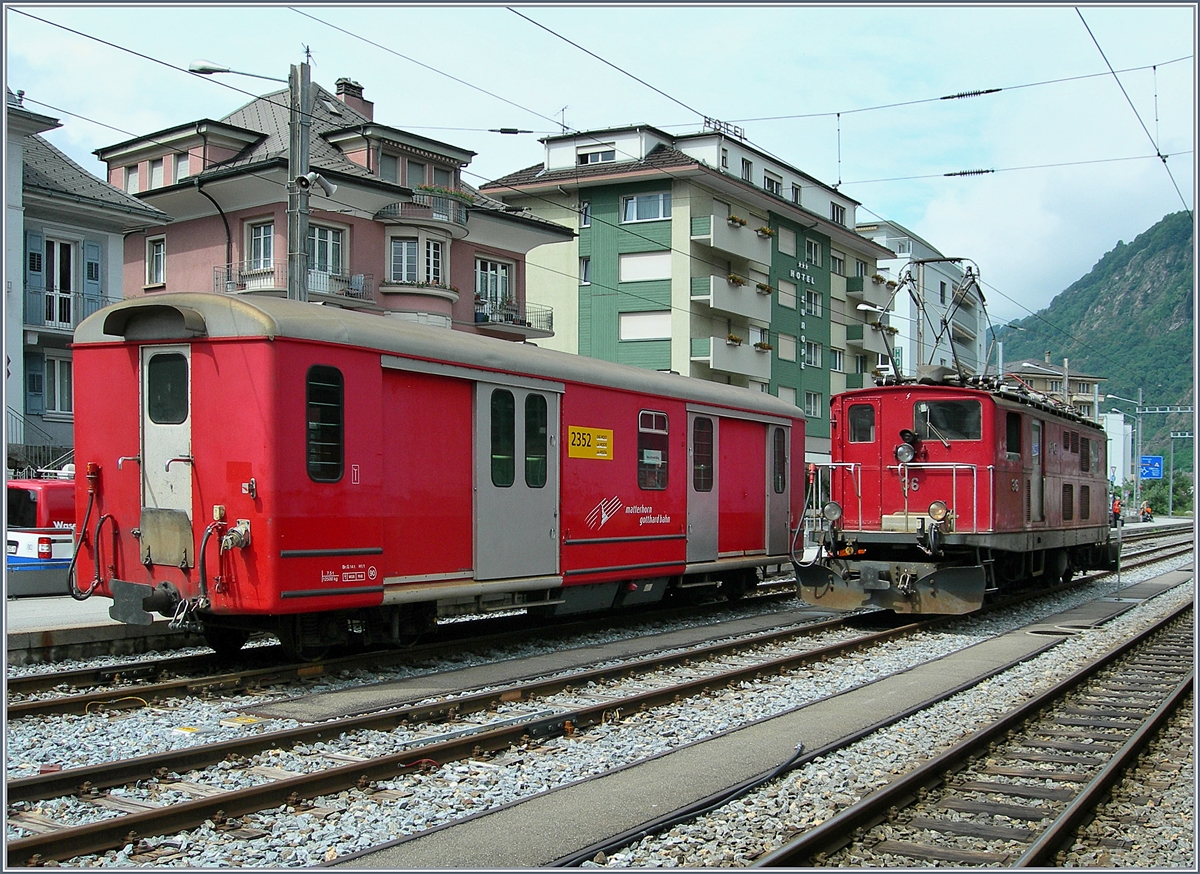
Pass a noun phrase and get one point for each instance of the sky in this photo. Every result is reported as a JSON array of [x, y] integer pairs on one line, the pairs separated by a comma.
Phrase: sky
[[847, 94]]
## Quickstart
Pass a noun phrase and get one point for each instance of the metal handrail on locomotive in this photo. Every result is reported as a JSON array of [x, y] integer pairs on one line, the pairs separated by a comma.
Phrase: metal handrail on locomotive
[[334, 477], [949, 488]]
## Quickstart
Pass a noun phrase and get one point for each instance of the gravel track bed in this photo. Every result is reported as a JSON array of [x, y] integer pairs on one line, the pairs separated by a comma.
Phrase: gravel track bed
[[744, 830]]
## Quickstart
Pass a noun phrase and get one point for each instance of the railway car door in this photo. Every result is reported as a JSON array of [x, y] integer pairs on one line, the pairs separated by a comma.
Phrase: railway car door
[[166, 456], [516, 481], [778, 489], [703, 509]]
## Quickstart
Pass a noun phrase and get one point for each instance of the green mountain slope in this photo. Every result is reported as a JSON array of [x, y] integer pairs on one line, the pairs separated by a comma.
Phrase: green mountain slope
[[1130, 320]]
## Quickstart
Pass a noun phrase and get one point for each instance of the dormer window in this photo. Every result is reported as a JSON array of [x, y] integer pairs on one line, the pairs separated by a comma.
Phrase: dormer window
[[599, 154], [389, 168]]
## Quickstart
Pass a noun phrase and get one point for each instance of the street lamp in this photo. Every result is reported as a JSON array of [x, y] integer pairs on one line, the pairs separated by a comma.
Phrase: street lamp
[[300, 179]]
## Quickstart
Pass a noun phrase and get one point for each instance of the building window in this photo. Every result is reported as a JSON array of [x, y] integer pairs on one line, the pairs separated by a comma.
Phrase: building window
[[773, 184], [404, 261], [262, 246], [1056, 385], [156, 261], [585, 271], [787, 241], [787, 394], [324, 250], [702, 454], [837, 360], [747, 169], [645, 326], [943, 294], [433, 262], [1083, 388], [812, 302], [787, 294], [182, 170], [644, 266], [786, 347], [796, 194], [492, 282], [597, 154], [416, 173], [860, 364], [60, 283], [442, 177], [156, 173], [58, 385], [585, 213], [325, 424], [646, 207], [131, 179], [837, 213], [812, 252], [812, 404], [903, 247], [504, 439], [812, 354], [389, 168], [724, 159], [860, 268], [652, 450], [837, 263]]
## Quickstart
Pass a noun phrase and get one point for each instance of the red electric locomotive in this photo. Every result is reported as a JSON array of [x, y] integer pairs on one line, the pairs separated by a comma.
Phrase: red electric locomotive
[[945, 492], [336, 477]]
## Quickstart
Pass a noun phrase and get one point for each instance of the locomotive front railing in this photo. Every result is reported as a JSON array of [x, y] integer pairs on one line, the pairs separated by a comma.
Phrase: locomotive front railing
[[954, 468], [814, 520]]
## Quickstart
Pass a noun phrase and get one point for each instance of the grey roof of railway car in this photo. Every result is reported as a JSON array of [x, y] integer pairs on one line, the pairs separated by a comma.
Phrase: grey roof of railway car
[[236, 316]]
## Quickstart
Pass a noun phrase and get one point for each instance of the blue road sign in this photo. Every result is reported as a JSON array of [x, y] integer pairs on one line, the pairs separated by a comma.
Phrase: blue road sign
[[1151, 467]]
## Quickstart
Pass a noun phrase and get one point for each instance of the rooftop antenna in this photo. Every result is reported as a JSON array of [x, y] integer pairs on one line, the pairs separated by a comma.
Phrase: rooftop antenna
[[563, 123], [307, 54]]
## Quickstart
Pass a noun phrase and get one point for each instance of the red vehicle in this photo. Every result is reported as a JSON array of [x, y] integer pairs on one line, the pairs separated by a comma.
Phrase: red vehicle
[[943, 493], [41, 503], [336, 477]]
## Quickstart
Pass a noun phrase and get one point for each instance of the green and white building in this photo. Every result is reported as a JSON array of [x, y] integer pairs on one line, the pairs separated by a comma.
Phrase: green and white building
[[702, 254]]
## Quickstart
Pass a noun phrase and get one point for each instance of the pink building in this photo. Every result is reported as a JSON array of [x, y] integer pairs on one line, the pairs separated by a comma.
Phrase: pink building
[[401, 235]]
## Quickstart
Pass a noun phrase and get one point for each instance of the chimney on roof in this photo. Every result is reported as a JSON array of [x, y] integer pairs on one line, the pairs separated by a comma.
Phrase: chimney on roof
[[350, 93], [1047, 353]]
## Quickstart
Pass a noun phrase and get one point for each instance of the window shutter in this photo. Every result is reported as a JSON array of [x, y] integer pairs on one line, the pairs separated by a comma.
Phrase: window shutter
[[92, 300], [35, 278], [35, 390]]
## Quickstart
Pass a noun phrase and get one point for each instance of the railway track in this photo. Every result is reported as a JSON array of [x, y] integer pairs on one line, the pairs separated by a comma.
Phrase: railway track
[[1022, 785], [183, 802], [138, 683]]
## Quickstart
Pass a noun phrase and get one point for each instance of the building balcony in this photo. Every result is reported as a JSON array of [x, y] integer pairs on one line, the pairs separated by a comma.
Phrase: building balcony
[[740, 241], [863, 289], [445, 211], [866, 337], [50, 310], [744, 299], [724, 355], [249, 277], [526, 320]]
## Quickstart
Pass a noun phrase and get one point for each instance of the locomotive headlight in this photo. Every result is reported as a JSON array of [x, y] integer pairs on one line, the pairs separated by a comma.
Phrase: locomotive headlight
[[905, 453], [938, 511], [832, 511]]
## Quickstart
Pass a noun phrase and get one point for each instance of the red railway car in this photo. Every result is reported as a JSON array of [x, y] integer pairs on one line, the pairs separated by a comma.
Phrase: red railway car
[[335, 477], [944, 492]]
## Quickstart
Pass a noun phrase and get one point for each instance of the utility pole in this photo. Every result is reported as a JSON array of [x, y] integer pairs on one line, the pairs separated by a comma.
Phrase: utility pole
[[299, 124], [1171, 482]]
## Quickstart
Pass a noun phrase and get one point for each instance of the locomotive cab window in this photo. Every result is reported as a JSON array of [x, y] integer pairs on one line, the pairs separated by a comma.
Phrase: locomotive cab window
[[943, 421], [167, 389], [326, 423], [652, 450], [862, 423], [1012, 433]]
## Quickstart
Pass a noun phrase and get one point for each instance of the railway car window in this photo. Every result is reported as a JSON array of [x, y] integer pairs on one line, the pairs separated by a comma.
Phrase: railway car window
[[504, 440], [167, 389], [652, 450], [1012, 433], [948, 420], [862, 423], [326, 430], [702, 455], [535, 441], [780, 461]]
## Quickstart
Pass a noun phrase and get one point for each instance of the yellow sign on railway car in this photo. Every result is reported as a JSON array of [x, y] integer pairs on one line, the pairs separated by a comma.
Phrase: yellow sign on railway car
[[590, 443]]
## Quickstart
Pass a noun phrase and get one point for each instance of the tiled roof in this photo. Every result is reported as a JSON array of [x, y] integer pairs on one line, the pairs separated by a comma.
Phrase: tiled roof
[[48, 170], [659, 158]]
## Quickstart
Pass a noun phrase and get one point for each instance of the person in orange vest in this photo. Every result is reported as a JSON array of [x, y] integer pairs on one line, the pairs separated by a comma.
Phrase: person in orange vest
[[1116, 510]]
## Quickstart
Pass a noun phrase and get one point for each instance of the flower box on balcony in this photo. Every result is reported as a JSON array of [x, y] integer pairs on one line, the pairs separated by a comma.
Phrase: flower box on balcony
[[734, 279], [763, 288], [733, 340], [737, 221], [765, 232], [877, 278], [763, 347]]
